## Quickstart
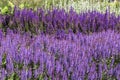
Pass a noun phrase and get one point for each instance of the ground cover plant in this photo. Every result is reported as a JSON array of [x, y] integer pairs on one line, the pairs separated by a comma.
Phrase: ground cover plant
[[52, 21], [72, 57], [60, 42]]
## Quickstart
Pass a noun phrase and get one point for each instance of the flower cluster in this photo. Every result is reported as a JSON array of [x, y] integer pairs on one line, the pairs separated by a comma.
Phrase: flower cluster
[[51, 21], [51, 57]]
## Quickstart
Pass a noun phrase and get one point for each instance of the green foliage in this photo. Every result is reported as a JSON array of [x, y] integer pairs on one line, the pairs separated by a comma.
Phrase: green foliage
[[4, 61], [40, 77], [7, 6], [13, 76], [10, 4], [21, 6], [5, 10]]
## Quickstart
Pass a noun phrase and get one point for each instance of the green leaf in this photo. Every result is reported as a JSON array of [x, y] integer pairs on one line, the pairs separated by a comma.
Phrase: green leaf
[[5, 10], [21, 6], [10, 4], [4, 61]]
